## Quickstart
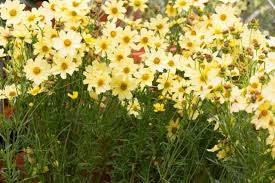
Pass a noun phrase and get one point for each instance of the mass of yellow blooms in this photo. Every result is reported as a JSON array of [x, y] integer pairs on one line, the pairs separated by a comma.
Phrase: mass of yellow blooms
[[185, 50]]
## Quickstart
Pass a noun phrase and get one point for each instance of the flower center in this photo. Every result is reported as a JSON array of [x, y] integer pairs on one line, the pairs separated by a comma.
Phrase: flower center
[[13, 12], [145, 77], [189, 44], [123, 86], [103, 46], [119, 57], [126, 39], [67, 42], [36, 70], [114, 10], [54, 35], [158, 44], [12, 93], [156, 61], [126, 70], [73, 13], [64, 66], [167, 84], [75, 4], [145, 39], [181, 89], [135, 108], [100, 82], [159, 26], [174, 130], [171, 63], [52, 7], [113, 34], [31, 18], [45, 48], [264, 113], [137, 3], [223, 17]]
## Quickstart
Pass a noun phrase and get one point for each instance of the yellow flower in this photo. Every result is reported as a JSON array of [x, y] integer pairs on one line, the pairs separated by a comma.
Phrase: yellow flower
[[74, 95], [31, 17], [215, 148], [159, 43], [10, 91], [223, 150], [97, 77], [122, 86], [182, 5], [161, 97], [37, 71], [155, 60], [159, 107], [134, 108], [111, 31], [120, 54], [114, 9], [263, 117], [101, 83], [43, 48], [67, 42], [160, 24], [12, 11], [144, 39], [63, 66], [172, 129], [35, 90], [103, 45], [138, 4], [166, 82], [171, 11], [128, 37], [126, 68], [89, 40], [145, 77], [224, 18]]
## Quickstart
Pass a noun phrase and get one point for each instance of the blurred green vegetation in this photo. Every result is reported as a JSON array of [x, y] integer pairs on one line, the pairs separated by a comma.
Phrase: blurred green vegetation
[[263, 11]]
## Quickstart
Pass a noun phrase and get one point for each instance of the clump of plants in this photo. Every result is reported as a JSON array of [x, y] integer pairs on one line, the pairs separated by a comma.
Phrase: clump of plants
[[113, 92]]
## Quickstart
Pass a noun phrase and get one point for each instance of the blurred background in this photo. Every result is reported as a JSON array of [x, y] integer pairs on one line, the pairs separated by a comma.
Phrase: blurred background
[[264, 11]]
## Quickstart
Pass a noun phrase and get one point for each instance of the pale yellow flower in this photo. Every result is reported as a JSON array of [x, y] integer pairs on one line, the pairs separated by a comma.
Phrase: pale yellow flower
[[115, 9], [63, 66], [122, 86], [37, 70], [173, 128], [138, 4], [67, 43], [12, 11]]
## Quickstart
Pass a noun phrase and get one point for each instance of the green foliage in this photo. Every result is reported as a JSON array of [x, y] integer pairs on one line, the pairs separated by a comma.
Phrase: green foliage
[[95, 144]]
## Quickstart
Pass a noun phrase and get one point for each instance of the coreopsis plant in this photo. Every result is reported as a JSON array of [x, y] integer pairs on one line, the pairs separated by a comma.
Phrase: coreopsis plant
[[198, 60]]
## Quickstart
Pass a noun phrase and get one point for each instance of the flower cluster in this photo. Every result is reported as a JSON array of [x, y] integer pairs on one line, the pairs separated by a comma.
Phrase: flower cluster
[[187, 56]]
